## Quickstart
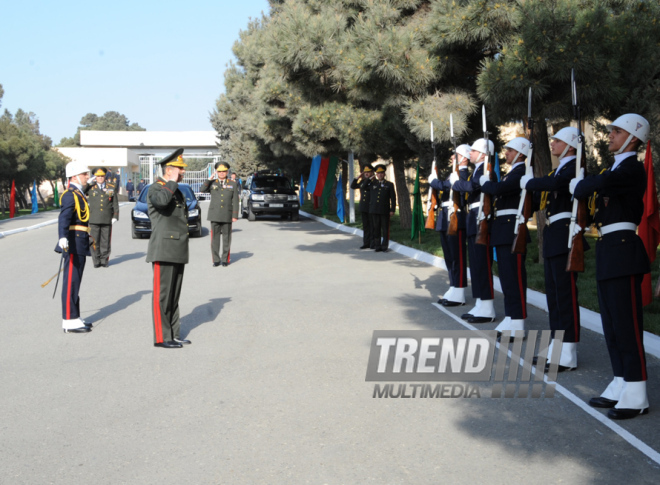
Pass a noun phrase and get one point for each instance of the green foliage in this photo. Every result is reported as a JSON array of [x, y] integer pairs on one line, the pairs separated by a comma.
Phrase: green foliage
[[110, 121]]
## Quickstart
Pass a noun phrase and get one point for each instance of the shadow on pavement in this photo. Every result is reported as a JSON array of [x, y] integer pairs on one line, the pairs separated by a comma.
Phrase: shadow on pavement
[[202, 314], [119, 305], [240, 255], [126, 257]]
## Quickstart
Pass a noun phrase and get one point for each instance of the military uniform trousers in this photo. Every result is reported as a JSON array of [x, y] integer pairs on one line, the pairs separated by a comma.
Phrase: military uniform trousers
[[101, 235], [561, 294], [168, 279], [457, 248], [481, 269], [367, 230], [381, 231], [513, 278], [73, 267], [221, 229]]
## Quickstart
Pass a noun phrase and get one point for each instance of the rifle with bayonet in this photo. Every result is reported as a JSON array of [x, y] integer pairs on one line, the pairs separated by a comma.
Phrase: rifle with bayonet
[[579, 213], [454, 196], [434, 200], [525, 207], [484, 212]]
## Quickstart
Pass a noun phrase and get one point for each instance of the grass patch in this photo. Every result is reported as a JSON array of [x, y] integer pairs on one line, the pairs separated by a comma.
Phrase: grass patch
[[587, 290], [25, 212]]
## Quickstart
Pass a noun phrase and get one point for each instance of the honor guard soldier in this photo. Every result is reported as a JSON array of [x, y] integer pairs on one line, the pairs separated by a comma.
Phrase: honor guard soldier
[[512, 270], [104, 212], [560, 285], [621, 263], [454, 246], [73, 231], [382, 205], [363, 182], [481, 255], [168, 249], [223, 211]]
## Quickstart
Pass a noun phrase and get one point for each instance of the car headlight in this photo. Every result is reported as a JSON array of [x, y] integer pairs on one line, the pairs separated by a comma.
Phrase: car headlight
[[193, 213], [292, 197], [140, 215], [257, 196]]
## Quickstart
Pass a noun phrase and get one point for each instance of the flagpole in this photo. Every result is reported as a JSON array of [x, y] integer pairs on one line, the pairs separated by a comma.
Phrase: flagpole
[[351, 191]]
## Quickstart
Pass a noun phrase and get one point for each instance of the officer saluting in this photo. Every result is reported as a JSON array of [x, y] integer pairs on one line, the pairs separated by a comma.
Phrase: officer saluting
[[382, 204], [223, 211], [363, 182], [621, 262], [104, 211], [73, 231], [168, 249]]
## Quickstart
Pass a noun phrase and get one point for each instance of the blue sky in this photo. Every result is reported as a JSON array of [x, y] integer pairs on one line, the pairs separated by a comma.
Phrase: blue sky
[[160, 63]]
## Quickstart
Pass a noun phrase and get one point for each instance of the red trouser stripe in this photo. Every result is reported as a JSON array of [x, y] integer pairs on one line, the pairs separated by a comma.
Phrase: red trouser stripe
[[576, 310], [489, 268], [228, 255], [212, 242], [68, 289], [460, 258], [158, 326], [523, 296], [638, 337]]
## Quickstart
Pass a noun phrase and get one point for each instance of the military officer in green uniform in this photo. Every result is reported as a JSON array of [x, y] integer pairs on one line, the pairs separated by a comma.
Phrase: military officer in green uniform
[[382, 205], [223, 211], [104, 212], [168, 249]]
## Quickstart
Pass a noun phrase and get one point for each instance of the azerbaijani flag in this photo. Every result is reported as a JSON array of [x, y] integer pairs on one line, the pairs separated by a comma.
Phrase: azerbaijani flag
[[649, 227], [327, 182], [315, 172], [340, 199], [35, 204]]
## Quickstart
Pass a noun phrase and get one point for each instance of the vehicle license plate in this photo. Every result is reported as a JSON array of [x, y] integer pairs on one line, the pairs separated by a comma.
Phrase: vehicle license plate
[[276, 205]]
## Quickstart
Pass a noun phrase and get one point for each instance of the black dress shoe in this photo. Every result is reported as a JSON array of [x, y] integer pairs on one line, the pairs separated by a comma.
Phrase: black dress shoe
[[465, 316], [215, 265], [615, 413], [182, 341], [378, 250], [480, 319], [77, 330], [97, 265], [169, 345], [366, 246], [602, 402], [225, 264], [560, 368], [87, 324], [452, 303], [441, 301]]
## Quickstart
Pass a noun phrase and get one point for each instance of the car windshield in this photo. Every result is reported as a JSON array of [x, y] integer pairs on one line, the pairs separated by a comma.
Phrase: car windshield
[[270, 183], [184, 188]]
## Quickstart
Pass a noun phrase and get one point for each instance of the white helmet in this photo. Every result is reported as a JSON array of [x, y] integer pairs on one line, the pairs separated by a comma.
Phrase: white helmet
[[464, 150], [568, 135], [635, 125], [75, 168], [480, 146], [519, 144]]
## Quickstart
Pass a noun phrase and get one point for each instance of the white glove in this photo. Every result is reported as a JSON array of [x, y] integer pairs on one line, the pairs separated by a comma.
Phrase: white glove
[[483, 179], [64, 243], [453, 178], [523, 181], [114, 220], [432, 177], [577, 229], [575, 181]]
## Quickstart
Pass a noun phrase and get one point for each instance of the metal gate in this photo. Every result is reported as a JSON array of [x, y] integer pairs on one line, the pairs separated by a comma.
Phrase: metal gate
[[149, 171]]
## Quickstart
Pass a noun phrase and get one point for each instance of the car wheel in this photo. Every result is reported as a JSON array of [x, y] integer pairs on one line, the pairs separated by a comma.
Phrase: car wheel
[[295, 216], [135, 234], [251, 215]]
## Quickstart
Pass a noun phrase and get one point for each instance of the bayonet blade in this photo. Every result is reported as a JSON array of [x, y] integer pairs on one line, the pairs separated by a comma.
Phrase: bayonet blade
[[483, 117], [451, 125]]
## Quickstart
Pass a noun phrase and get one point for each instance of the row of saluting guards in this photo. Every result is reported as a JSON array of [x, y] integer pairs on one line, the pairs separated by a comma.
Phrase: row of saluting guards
[[621, 259], [91, 209]]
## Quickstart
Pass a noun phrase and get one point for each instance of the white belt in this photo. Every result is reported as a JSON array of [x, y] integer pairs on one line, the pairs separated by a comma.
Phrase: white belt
[[619, 226], [558, 217], [447, 204], [474, 206], [506, 212]]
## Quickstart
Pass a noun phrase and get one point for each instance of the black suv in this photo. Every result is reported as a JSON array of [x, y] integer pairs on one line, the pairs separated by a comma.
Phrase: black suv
[[269, 193]]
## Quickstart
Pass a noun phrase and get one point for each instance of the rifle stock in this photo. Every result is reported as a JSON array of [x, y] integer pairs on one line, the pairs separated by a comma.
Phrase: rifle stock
[[456, 199], [576, 252], [482, 224], [520, 242]]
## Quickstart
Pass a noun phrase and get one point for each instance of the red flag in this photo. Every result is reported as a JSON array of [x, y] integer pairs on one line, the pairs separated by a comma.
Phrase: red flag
[[649, 228], [12, 200]]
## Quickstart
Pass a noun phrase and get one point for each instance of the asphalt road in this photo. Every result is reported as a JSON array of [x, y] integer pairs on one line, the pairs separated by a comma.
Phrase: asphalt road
[[272, 389]]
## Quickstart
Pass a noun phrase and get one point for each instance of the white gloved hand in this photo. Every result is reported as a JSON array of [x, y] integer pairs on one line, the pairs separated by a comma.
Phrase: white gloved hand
[[577, 229], [529, 171], [453, 178], [114, 220], [432, 177], [483, 179], [523, 181], [64, 243]]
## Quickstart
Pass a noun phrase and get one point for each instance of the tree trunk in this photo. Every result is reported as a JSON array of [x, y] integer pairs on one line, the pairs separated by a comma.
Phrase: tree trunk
[[402, 193], [542, 167], [43, 202]]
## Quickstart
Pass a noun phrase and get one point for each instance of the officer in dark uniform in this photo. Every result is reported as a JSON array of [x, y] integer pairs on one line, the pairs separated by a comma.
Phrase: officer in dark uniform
[[223, 211], [104, 212], [73, 231], [382, 205], [363, 182], [168, 249], [512, 270], [551, 192], [454, 246], [130, 188], [481, 256], [140, 187], [621, 262]]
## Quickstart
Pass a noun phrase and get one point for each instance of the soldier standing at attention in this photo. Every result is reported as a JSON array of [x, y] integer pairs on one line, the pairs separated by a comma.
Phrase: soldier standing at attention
[[73, 231], [363, 182], [513, 273], [382, 204], [104, 212], [168, 249], [130, 188], [560, 285], [223, 211], [621, 263]]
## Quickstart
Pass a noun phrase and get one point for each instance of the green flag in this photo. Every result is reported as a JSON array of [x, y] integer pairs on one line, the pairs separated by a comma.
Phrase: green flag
[[417, 213], [329, 181], [56, 197]]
